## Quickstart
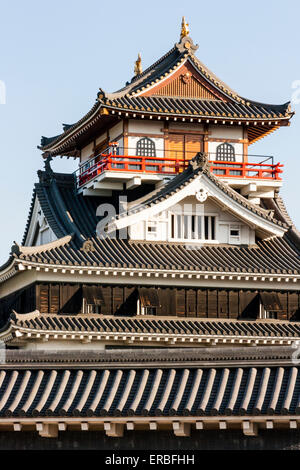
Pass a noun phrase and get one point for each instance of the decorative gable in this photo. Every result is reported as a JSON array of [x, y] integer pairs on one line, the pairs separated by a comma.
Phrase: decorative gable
[[192, 221], [186, 82], [197, 185]]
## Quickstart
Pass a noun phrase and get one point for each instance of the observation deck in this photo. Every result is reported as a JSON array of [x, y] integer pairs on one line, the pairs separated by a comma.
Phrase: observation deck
[[115, 166]]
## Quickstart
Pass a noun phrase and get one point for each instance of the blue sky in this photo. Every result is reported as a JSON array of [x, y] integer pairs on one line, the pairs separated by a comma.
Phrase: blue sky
[[55, 55]]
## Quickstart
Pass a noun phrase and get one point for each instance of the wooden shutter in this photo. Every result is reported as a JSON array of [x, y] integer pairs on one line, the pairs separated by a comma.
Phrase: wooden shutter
[[293, 303], [167, 302], [180, 302], [43, 291], [270, 301], [191, 302], [233, 304], [201, 303], [106, 309], [176, 146], [212, 303], [193, 145], [148, 297], [101, 146], [118, 298], [54, 298], [223, 304], [93, 295], [67, 291], [283, 299], [129, 291]]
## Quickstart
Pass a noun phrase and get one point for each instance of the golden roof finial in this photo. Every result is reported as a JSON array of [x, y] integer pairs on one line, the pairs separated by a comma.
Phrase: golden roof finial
[[184, 29], [138, 65]]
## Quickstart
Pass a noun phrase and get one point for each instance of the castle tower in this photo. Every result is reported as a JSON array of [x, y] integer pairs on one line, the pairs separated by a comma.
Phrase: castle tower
[[157, 288]]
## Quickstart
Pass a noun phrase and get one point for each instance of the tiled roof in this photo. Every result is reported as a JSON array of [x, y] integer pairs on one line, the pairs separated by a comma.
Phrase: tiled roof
[[273, 256], [57, 196], [193, 107], [166, 391], [154, 325], [70, 213]]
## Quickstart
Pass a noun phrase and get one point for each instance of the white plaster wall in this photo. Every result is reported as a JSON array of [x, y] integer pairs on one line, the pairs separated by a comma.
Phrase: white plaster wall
[[86, 152], [46, 236], [137, 231], [145, 127], [238, 148], [189, 126], [63, 345], [101, 138], [226, 132], [159, 145], [190, 205], [121, 145], [115, 131]]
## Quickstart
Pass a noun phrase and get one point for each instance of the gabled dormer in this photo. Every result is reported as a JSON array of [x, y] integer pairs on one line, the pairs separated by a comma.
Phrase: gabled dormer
[[196, 209]]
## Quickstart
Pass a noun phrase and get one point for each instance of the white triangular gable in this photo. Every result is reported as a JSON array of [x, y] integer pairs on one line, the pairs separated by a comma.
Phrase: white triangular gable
[[39, 231], [197, 191]]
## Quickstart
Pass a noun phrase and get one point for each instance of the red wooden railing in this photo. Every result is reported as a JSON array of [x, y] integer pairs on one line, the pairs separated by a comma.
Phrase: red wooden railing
[[132, 164], [170, 166], [246, 170]]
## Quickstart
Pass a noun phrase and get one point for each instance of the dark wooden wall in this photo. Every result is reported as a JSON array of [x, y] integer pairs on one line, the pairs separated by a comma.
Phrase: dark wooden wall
[[122, 300], [23, 301]]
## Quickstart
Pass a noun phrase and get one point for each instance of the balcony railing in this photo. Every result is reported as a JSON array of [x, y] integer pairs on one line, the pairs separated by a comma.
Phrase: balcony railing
[[171, 163]]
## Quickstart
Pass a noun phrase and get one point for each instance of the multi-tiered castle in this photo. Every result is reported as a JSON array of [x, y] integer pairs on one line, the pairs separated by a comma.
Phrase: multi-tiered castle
[[155, 294]]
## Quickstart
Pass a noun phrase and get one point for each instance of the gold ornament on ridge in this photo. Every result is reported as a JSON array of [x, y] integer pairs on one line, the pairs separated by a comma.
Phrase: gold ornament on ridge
[[138, 65]]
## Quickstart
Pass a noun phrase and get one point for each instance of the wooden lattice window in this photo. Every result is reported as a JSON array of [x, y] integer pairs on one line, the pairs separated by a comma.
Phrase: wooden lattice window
[[146, 148], [225, 153]]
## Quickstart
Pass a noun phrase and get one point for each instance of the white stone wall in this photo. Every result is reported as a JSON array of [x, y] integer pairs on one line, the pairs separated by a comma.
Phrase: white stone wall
[[116, 131], [86, 152]]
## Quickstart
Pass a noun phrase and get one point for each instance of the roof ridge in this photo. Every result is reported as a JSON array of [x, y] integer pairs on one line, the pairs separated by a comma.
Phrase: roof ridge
[[16, 317], [32, 202], [31, 250], [138, 79], [258, 321]]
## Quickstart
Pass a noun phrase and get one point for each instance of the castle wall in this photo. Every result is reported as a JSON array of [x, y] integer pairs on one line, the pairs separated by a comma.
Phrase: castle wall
[[280, 439]]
